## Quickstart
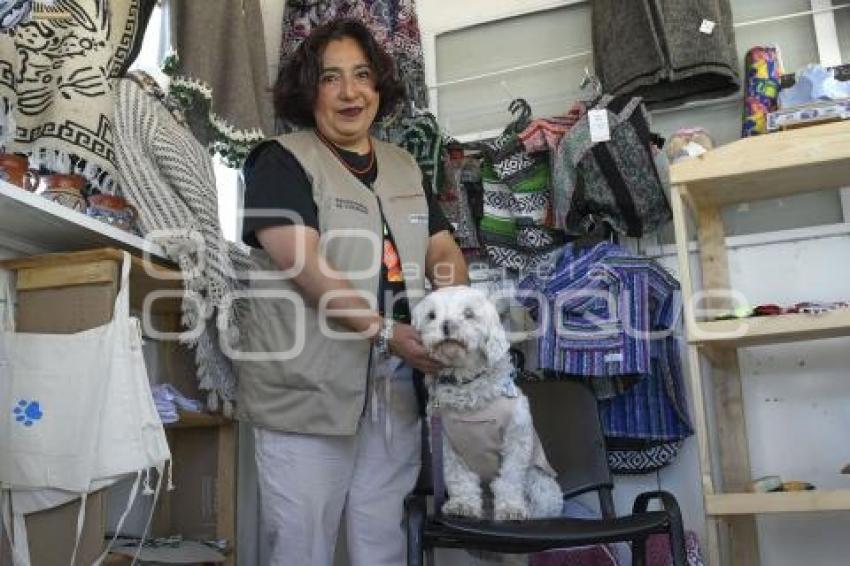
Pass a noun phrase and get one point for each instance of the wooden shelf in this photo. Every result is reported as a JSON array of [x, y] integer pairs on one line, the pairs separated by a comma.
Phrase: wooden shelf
[[756, 331], [189, 419], [780, 502], [31, 223], [769, 166]]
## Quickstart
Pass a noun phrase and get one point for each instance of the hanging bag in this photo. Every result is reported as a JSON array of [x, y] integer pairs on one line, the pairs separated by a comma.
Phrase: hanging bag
[[614, 181], [77, 414]]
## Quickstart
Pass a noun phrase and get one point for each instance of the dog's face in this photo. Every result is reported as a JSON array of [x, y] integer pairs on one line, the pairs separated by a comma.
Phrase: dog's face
[[460, 327]]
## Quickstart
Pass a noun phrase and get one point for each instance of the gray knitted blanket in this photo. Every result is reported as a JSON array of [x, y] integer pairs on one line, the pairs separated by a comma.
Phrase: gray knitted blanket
[[219, 73], [654, 49], [168, 176]]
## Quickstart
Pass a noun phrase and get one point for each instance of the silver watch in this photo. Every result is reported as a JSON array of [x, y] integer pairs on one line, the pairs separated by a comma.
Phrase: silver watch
[[382, 340]]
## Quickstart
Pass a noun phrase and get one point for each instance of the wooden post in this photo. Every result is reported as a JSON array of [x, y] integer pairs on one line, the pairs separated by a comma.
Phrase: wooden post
[[733, 449], [700, 417]]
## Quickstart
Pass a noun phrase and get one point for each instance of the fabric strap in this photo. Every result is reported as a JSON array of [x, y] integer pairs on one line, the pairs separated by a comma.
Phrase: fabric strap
[[121, 310], [160, 469], [78, 533], [131, 499], [20, 552], [437, 476], [21, 549], [7, 304], [612, 174]]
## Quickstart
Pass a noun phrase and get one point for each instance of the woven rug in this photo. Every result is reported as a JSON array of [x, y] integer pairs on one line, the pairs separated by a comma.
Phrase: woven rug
[[55, 86]]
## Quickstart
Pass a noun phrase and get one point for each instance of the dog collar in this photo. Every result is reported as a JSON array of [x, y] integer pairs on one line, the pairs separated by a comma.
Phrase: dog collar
[[450, 379], [509, 388]]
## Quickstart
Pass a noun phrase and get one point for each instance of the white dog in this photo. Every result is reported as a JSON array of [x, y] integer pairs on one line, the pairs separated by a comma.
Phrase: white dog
[[488, 434]]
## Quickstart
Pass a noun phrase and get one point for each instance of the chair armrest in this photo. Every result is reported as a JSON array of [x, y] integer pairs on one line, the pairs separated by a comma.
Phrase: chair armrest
[[674, 515], [668, 502]]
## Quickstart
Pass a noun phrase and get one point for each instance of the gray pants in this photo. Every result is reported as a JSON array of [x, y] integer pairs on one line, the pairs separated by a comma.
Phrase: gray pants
[[309, 483]]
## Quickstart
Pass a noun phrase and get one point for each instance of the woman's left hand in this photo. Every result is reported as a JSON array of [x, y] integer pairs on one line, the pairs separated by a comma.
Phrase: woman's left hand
[[406, 344]]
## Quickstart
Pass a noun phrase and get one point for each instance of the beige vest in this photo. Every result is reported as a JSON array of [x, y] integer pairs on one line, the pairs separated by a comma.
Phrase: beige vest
[[477, 437], [320, 388]]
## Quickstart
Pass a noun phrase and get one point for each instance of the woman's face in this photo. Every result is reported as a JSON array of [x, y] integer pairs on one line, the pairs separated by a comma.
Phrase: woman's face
[[346, 102]]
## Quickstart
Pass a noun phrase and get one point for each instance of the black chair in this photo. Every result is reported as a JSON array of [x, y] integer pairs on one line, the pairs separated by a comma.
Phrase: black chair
[[565, 415]]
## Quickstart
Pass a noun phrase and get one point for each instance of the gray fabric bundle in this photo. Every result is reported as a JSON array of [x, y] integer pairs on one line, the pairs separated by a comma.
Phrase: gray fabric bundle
[[168, 176], [220, 73], [654, 49]]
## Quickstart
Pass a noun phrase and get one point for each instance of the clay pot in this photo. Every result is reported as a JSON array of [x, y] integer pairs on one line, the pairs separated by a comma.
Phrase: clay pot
[[15, 169], [114, 210], [65, 189]]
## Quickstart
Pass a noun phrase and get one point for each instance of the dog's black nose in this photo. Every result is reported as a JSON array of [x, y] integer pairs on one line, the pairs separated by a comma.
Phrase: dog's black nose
[[447, 328]]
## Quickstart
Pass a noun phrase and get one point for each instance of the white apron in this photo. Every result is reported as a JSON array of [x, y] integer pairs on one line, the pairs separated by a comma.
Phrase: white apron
[[76, 415]]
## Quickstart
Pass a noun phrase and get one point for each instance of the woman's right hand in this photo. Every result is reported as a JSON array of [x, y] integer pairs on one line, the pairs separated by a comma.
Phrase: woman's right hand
[[406, 344]]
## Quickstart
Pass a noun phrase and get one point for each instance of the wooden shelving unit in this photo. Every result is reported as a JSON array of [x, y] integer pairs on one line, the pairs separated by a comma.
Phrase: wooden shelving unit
[[751, 169]]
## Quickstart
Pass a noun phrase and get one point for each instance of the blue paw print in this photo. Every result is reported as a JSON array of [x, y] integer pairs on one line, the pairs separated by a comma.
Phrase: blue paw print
[[27, 412]]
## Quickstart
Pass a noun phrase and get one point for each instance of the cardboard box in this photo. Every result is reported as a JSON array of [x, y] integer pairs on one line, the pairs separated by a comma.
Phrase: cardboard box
[[64, 310], [52, 534], [191, 509]]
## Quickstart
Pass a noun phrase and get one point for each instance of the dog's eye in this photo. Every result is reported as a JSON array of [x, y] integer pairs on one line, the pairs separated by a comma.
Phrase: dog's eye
[[432, 315], [468, 313]]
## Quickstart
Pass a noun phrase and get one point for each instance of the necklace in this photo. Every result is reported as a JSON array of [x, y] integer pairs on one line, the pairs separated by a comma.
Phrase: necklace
[[335, 151]]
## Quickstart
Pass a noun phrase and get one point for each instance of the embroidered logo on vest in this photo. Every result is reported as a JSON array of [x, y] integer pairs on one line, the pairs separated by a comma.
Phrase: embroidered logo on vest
[[348, 204]]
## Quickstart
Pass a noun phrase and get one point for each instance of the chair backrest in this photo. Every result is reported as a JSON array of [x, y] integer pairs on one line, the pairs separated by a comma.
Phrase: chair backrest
[[566, 417]]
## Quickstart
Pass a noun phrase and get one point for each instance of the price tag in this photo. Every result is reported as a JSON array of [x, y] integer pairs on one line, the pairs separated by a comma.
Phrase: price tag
[[707, 27], [600, 131]]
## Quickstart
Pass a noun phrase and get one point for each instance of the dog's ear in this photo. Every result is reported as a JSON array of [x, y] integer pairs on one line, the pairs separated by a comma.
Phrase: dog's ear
[[496, 343]]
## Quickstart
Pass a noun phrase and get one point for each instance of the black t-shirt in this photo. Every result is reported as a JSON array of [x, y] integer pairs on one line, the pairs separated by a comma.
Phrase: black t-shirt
[[275, 180]]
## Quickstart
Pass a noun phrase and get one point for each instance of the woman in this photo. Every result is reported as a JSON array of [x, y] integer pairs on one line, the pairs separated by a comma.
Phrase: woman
[[325, 373]]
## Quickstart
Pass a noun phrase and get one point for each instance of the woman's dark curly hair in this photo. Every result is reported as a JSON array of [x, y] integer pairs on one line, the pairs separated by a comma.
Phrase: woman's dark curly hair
[[298, 81]]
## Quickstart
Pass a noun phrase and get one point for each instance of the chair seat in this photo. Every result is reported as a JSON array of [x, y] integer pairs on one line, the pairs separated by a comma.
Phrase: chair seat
[[541, 534]]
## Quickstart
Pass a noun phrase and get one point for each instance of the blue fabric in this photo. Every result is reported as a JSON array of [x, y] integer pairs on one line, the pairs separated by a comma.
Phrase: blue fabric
[[655, 408], [609, 319], [604, 303]]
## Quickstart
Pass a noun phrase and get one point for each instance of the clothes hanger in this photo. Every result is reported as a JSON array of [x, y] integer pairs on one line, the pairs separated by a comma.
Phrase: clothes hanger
[[591, 81], [519, 107], [596, 232], [521, 110]]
